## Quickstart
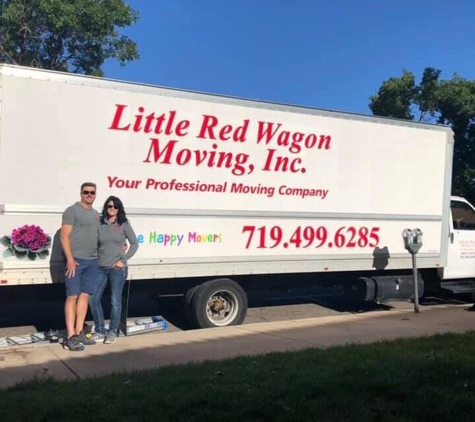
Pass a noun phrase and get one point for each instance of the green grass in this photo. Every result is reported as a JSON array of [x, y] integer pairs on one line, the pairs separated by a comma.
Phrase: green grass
[[426, 379]]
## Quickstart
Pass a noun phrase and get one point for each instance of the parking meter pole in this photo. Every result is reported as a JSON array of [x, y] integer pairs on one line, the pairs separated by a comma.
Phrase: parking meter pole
[[416, 284], [413, 243]]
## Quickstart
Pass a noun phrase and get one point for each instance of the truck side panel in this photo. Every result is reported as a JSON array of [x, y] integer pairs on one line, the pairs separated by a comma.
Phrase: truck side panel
[[218, 186]]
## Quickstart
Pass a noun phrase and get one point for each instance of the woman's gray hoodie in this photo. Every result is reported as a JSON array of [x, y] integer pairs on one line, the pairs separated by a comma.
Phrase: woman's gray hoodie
[[111, 241]]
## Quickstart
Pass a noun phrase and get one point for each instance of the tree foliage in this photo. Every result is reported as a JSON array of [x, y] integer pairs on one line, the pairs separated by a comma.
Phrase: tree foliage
[[66, 35], [449, 102]]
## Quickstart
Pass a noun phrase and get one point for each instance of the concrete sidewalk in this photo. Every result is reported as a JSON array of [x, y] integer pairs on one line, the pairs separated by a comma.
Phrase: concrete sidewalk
[[161, 348]]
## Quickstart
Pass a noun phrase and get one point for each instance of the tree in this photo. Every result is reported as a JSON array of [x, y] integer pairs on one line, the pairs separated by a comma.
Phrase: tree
[[449, 102], [66, 35]]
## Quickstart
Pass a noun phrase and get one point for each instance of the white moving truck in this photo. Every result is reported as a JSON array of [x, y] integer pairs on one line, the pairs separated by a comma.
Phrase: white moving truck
[[221, 190]]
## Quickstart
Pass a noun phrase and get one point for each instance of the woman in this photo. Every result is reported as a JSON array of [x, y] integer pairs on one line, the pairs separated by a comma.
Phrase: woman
[[114, 230]]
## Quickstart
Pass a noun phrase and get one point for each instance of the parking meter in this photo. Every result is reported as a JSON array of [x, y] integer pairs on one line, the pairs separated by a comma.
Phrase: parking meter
[[412, 240], [413, 243]]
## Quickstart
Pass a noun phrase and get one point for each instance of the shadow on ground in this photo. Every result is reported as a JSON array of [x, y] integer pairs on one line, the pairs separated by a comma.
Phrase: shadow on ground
[[42, 306]]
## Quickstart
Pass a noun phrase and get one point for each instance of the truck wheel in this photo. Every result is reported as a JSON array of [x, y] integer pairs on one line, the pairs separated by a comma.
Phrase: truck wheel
[[218, 303]]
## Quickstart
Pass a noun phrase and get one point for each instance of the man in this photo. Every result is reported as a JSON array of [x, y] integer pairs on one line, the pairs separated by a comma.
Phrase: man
[[79, 237]]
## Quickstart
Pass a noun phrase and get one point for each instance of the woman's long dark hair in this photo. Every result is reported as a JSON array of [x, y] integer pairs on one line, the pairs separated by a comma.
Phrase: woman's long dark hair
[[121, 217]]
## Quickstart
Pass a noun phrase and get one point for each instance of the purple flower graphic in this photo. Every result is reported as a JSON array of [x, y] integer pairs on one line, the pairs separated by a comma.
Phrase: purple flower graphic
[[27, 241]]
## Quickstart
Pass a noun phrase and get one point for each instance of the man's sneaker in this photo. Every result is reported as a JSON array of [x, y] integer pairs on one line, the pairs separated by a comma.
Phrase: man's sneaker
[[72, 344], [99, 337], [110, 337], [86, 339]]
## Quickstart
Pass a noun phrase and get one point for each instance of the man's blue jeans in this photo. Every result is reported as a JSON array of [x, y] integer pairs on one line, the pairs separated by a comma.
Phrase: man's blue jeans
[[116, 277]]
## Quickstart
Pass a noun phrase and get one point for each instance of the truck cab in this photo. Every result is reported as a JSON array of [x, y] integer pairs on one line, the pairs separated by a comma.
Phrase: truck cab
[[458, 276]]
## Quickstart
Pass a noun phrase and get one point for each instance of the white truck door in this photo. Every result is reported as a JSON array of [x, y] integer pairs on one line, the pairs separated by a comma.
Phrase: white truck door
[[461, 255]]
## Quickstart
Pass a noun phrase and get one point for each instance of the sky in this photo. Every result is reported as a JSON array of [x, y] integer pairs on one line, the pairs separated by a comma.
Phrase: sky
[[316, 53]]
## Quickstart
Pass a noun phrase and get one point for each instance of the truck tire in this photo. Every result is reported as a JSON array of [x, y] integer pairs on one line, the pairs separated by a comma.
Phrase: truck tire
[[218, 303], [187, 303]]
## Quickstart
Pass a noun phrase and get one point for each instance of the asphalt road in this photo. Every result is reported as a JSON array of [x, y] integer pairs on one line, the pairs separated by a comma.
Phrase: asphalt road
[[28, 309]]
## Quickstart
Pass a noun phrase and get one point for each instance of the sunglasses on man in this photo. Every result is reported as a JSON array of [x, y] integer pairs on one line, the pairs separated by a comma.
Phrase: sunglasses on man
[[89, 192]]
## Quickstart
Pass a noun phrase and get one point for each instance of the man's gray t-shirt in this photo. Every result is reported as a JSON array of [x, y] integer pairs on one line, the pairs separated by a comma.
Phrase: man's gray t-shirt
[[85, 234]]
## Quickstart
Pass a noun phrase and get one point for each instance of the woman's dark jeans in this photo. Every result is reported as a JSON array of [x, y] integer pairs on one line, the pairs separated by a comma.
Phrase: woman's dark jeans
[[116, 277]]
